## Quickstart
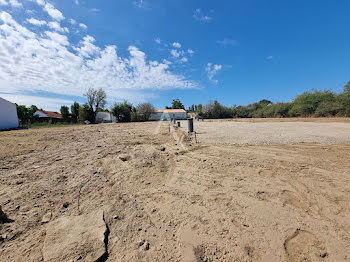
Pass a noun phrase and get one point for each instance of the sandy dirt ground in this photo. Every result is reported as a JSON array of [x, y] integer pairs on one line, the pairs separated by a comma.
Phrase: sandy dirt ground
[[165, 198], [272, 131]]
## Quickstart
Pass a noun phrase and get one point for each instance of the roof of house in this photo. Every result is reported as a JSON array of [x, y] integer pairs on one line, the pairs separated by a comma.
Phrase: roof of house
[[169, 111], [51, 114], [192, 114]]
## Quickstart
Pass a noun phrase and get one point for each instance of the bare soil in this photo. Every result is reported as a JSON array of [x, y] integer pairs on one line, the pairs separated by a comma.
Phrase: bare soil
[[165, 198], [272, 131]]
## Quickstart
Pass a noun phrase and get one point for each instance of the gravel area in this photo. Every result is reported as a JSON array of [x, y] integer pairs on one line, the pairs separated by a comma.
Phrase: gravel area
[[259, 133]]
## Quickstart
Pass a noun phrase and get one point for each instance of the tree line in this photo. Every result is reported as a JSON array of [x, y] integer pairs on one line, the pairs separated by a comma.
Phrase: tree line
[[96, 102], [314, 103]]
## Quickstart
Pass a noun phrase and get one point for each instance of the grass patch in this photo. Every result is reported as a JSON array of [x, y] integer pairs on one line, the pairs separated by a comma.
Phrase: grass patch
[[47, 125]]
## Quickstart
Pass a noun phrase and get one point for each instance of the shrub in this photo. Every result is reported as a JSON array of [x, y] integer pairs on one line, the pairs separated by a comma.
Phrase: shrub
[[307, 103], [122, 111]]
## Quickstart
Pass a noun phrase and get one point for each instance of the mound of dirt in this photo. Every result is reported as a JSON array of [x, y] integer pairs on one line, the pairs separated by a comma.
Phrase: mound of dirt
[[76, 237]]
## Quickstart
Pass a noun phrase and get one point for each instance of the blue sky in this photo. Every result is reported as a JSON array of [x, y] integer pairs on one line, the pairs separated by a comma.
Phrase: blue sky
[[236, 52]]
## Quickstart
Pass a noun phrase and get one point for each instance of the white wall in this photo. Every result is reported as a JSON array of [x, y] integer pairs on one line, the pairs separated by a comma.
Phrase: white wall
[[167, 116], [8, 114], [105, 117], [40, 114]]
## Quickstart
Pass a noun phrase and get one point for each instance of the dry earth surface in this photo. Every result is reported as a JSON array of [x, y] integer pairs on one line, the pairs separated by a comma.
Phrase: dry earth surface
[[272, 131], [145, 192]]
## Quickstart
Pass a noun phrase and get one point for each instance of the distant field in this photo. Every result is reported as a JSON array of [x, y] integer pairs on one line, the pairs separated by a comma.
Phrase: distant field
[[273, 131]]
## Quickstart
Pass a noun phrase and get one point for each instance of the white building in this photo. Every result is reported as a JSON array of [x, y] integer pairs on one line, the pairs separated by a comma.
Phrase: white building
[[105, 117], [8, 114], [42, 114], [167, 114]]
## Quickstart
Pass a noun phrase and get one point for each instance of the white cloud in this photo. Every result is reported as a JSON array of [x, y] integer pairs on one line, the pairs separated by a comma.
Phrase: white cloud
[[190, 51], [72, 21], [95, 10], [56, 26], [179, 55], [176, 53], [40, 2], [34, 21], [167, 62], [184, 60], [212, 70], [48, 62], [227, 42], [15, 3], [269, 57], [176, 45], [199, 16], [50, 104], [84, 26], [87, 48], [57, 38], [76, 2], [141, 4], [51, 10], [157, 40]]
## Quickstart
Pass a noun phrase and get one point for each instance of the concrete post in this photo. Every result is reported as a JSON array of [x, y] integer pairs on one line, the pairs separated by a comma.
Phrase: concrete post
[[190, 125]]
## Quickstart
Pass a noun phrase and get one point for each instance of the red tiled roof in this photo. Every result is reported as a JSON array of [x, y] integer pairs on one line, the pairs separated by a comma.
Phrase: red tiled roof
[[169, 111], [52, 114]]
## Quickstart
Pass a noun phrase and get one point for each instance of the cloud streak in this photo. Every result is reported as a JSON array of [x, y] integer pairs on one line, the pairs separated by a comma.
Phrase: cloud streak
[[212, 70], [227, 42], [199, 16]]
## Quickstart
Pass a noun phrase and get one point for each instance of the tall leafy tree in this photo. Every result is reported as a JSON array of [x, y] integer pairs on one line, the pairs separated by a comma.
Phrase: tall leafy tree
[[84, 112], [65, 112], [122, 111], [22, 112], [176, 104], [96, 99], [74, 109], [26, 114]]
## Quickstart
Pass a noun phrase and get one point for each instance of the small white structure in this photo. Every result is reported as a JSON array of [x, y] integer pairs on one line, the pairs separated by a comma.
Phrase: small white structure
[[167, 114], [42, 114], [105, 117], [8, 114]]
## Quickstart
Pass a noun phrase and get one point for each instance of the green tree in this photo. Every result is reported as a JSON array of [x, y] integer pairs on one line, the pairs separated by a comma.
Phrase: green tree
[[96, 100], [84, 112], [282, 109], [307, 103], [22, 112], [65, 112], [216, 110], [176, 104], [26, 114], [122, 111], [343, 100], [74, 109], [31, 110]]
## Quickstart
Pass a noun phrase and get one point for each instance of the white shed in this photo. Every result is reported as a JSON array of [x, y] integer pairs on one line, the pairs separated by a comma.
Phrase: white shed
[[167, 114], [8, 114], [105, 117]]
